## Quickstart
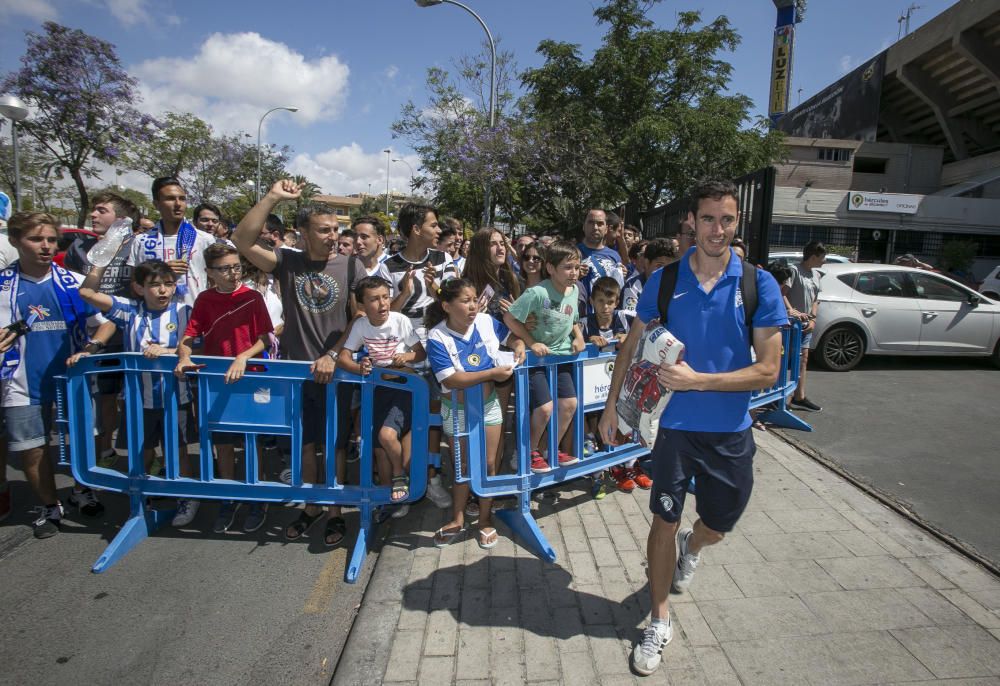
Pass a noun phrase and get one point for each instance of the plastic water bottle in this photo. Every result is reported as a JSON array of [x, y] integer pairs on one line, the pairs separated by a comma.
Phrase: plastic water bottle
[[106, 248]]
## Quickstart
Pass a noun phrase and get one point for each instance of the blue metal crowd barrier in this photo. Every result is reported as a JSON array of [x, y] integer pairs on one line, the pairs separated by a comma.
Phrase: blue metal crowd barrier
[[267, 401], [776, 397], [522, 483]]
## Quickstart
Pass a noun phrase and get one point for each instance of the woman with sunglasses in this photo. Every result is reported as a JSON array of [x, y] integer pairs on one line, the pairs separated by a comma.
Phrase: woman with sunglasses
[[531, 266]]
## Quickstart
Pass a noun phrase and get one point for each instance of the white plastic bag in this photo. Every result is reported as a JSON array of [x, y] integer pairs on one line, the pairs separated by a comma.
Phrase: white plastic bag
[[642, 398]]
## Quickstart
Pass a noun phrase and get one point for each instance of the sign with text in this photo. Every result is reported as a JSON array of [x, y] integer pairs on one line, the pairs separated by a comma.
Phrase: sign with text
[[597, 379], [896, 203], [781, 70]]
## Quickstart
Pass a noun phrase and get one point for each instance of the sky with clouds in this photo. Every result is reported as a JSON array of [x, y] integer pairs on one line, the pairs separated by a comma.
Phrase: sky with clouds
[[350, 65]]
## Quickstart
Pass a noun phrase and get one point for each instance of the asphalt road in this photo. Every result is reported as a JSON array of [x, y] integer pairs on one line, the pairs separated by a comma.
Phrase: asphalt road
[[925, 431], [184, 607]]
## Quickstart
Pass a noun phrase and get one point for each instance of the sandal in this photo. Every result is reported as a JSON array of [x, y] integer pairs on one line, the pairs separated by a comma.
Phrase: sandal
[[300, 526], [488, 538], [400, 488], [336, 528], [442, 538], [472, 508]]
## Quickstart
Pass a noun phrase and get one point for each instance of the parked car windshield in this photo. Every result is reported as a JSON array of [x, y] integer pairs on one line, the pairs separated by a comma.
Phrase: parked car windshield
[[884, 284]]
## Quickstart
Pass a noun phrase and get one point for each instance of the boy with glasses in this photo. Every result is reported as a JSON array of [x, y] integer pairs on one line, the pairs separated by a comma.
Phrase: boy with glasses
[[232, 321]]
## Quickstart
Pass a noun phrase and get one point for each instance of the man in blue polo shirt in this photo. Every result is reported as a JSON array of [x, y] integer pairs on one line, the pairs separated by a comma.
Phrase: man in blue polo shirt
[[705, 429]]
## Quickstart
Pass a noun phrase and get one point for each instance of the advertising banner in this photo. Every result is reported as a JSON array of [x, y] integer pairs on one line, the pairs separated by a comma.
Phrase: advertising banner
[[781, 70], [897, 203]]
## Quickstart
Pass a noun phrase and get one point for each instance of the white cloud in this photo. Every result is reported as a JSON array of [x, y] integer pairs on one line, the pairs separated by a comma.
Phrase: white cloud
[[235, 78], [349, 169], [845, 64], [129, 12], [39, 10], [391, 71]]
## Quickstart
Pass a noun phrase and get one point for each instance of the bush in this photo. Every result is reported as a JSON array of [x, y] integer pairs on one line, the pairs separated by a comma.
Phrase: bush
[[957, 256]]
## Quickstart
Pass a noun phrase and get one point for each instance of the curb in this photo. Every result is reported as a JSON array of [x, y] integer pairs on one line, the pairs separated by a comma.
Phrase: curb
[[890, 501]]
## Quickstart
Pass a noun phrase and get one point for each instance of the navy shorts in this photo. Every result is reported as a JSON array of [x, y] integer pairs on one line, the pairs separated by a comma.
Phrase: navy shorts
[[314, 413], [539, 392], [722, 467]]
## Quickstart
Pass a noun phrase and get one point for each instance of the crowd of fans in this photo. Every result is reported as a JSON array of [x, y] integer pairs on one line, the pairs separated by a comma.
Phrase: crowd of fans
[[458, 310]]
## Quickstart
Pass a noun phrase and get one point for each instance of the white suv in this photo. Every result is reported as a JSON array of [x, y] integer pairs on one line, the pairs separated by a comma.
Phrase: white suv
[[991, 284]]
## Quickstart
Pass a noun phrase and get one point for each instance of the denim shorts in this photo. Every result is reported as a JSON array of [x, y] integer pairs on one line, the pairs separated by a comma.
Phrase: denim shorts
[[27, 426]]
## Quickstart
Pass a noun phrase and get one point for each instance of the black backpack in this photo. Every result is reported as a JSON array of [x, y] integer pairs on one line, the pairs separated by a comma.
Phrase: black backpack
[[748, 287]]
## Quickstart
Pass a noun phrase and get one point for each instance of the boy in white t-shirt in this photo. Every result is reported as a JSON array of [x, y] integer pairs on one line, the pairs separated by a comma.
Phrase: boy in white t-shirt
[[390, 341]]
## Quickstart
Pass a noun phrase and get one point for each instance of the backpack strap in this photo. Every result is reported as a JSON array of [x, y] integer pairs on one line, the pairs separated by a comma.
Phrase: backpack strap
[[748, 286], [668, 283]]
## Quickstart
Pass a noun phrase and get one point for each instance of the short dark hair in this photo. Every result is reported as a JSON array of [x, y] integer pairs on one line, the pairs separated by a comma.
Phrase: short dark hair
[[217, 251], [123, 206], [310, 210], [274, 224], [145, 271], [660, 247], [348, 233], [633, 228], [446, 232], [716, 189], [370, 283], [21, 223], [211, 207], [612, 218], [814, 249], [780, 271], [559, 252], [375, 222], [412, 214], [639, 247], [606, 285], [162, 182]]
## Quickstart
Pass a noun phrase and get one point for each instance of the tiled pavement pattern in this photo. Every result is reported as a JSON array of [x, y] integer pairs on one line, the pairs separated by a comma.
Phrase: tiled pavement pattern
[[819, 584]]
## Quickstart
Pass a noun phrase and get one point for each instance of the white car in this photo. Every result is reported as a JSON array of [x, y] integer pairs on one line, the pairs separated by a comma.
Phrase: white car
[[990, 287], [877, 309], [794, 258]]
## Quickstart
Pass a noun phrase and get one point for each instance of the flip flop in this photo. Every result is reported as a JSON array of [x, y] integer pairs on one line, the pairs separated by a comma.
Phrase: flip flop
[[488, 538], [300, 526], [443, 539], [334, 526]]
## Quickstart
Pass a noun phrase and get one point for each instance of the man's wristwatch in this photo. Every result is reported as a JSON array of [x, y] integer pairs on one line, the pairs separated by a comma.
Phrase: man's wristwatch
[[332, 354], [98, 345]]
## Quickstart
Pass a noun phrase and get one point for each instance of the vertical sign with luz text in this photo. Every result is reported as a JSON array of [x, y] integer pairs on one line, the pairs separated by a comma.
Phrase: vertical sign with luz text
[[781, 71]]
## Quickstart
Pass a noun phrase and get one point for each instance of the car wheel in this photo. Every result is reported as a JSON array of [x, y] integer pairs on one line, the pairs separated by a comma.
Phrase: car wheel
[[841, 348]]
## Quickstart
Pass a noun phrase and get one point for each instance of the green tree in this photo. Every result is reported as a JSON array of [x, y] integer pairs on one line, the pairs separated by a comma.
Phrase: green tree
[[655, 100]]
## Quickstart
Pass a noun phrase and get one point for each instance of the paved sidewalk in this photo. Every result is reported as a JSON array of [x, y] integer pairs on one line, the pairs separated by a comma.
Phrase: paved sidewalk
[[819, 584]]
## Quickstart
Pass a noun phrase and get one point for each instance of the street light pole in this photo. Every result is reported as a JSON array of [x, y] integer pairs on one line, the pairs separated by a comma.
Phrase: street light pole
[[259, 125], [14, 109], [388, 155], [493, 84], [400, 159]]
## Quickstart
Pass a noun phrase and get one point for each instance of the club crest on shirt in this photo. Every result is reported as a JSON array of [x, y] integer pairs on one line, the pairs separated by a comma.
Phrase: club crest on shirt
[[171, 327], [317, 292], [474, 359], [40, 311]]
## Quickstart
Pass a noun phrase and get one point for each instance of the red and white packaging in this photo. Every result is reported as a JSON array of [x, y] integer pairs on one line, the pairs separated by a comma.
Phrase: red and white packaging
[[642, 398]]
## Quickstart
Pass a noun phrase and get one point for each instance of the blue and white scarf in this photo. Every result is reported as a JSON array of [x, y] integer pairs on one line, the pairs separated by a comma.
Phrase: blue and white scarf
[[186, 236], [74, 312]]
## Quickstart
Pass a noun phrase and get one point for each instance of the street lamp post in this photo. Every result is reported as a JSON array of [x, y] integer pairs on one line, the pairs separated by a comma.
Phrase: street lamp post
[[493, 82], [388, 156], [14, 109], [400, 159], [259, 125]]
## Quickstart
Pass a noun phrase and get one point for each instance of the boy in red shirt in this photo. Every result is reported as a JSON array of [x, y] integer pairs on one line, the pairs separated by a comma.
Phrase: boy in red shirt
[[232, 321]]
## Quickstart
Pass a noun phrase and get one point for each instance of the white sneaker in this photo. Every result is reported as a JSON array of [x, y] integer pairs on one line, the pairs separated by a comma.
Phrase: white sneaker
[[686, 562], [438, 494], [186, 512], [648, 651]]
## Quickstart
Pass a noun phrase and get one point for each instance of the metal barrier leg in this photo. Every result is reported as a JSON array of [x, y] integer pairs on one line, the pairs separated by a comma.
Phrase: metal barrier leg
[[360, 552], [526, 528], [785, 419], [141, 524]]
